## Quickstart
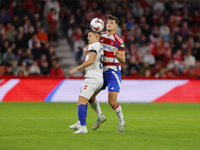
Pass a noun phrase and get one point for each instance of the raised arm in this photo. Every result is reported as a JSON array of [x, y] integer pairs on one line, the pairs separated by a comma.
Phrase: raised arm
[[120, 55], [87, 63]]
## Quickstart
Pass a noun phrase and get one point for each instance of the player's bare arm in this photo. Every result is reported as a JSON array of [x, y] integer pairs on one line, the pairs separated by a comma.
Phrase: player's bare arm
[[87, 63], [86, 51], [120, 55]]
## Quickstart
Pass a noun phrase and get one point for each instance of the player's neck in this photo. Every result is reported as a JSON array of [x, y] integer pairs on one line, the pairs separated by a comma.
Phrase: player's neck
[[109, 33], [94, 42]]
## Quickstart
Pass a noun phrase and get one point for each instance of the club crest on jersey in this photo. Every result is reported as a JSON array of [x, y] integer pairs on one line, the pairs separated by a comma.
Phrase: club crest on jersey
[[85, 87], [111, 43]]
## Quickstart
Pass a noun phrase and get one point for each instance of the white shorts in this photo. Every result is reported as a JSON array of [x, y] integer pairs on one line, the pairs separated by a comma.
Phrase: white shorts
[[90, 86]]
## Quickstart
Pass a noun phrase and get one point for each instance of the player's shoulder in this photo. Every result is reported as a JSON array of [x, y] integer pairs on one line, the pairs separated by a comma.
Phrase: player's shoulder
[[91, 46], [95, 46], [118, 38]]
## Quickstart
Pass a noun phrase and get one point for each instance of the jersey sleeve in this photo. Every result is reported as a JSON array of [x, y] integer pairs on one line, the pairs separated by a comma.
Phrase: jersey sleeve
[[121, 47], [120, 42], [92, 49]]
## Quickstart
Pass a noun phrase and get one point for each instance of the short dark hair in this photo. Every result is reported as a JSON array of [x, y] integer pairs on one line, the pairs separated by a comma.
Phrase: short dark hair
[[95, 32], [111, 17]]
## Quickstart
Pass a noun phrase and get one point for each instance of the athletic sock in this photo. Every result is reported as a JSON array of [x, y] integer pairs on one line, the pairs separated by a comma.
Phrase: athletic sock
[[118, 111], [82, 112], [95, 105], [86, 110]]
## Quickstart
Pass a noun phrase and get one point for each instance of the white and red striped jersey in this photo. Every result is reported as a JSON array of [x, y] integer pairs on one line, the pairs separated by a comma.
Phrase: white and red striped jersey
[[110, 43]]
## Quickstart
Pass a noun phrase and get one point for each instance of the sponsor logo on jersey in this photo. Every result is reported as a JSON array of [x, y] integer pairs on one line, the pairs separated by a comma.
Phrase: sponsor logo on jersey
[[101, 40], [107, 47]]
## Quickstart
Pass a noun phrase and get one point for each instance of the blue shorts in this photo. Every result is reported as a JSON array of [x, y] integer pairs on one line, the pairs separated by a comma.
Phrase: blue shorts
[[112, 79]]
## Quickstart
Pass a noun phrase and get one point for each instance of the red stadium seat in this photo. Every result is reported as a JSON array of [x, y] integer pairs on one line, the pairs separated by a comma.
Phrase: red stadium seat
[[192, 71], [2, 70]]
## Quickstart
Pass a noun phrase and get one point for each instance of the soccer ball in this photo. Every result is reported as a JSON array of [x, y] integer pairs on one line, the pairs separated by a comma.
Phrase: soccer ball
[[97, 24]]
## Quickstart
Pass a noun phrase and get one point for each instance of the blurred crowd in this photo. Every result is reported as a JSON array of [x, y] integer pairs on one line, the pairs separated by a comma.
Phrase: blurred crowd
[[161, 39], [24, 43]]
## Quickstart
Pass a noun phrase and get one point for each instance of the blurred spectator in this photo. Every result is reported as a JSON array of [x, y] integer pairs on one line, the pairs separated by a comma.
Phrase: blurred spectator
[[165, 32], [159, 6], [56, 70], [184, 30], [27, 26], [178, 57], [149, 58], [19, 56], [178, 41], [154, 36], [156, 16], [44, 68], [30, 33], [19, 41], [146, 30], [178, 17], [15, 22], [78, 49], [52, 4], [34, 69], [178, 4], [8, 56], [1, 58], [42, 36], [34, 45], [51, 56], [189, 60], [29, 57], [4, 17], [11, 33], [52, 22], [138, 10], [144, 69], [196, 18], [2, 29], [15, 68], [143, 49], [22, 71], [5, 45], [8, 71], [171, 22], [196, 51]]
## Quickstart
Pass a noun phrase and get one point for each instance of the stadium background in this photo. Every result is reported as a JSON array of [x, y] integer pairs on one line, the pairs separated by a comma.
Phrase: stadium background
[[162, 44]]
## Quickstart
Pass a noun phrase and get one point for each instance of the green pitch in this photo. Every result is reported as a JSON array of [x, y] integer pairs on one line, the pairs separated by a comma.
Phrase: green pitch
[[150, 126]]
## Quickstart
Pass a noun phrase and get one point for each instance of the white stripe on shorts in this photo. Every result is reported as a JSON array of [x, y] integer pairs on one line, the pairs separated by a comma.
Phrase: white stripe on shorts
[[116, 76]]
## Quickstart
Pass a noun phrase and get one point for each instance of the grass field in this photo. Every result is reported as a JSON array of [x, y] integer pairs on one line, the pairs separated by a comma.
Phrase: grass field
[[150, 126]]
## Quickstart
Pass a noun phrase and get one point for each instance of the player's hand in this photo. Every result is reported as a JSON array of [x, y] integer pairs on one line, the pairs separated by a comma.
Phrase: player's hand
[[116, 52], [86, 51], [73, 71]]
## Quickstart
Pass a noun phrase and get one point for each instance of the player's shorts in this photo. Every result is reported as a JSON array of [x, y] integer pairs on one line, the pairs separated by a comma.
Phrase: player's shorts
[[90, 86], [112, 79]]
